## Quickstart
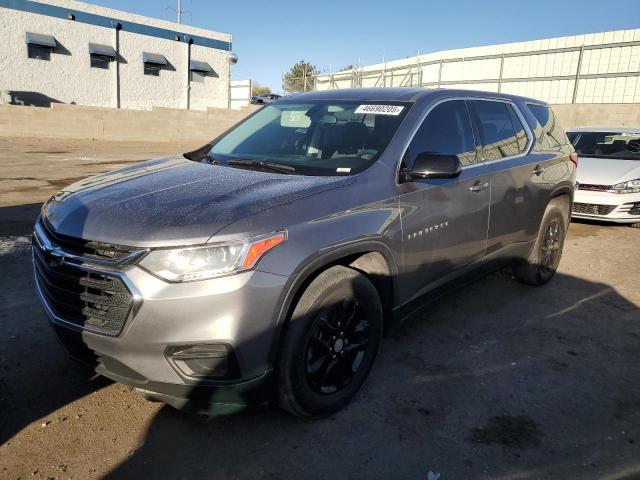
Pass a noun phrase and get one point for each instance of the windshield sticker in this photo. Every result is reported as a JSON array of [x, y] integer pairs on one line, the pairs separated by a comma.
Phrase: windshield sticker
[[379, 109], [295, 119], [343, 170]]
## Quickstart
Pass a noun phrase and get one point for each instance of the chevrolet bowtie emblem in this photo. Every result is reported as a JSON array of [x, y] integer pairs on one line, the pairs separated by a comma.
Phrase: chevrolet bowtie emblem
[[56, 258]]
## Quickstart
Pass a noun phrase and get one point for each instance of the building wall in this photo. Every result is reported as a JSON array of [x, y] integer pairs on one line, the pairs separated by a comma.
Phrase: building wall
[[68, 77], [87, 123], [598, 115], [174, 125], [240, 93], [607, 64], [214, 92]]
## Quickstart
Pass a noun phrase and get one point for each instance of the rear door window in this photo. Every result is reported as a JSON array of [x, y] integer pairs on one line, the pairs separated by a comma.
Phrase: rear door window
[[446, 130], [502, 131], [549, 132]]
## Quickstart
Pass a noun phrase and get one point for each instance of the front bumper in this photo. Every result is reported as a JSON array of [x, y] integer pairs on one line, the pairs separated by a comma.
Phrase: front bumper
[[609, 207], [239, 311]]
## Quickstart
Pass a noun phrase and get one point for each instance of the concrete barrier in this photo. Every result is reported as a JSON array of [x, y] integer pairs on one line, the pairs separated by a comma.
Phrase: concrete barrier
[[605, 114], [81, 122], [170, 125]]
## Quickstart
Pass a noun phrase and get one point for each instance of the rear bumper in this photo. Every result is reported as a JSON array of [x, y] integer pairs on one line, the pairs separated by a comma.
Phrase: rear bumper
[[608, 207]]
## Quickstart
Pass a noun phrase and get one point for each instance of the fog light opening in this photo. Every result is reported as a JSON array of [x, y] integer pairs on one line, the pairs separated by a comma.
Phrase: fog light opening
[[201, 361]]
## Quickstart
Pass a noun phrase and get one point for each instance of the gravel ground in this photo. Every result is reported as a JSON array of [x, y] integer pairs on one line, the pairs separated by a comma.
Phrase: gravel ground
[[497, 380], [33, 169]]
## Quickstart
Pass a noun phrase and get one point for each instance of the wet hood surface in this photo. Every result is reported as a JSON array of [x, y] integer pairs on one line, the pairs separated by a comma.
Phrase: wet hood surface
[[172, 201]]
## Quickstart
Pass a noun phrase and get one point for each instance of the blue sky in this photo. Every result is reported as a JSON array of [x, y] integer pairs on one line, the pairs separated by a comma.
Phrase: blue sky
[[269, 37]]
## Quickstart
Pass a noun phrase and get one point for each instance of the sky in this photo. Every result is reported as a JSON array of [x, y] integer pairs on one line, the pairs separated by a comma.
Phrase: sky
[[269, 37]]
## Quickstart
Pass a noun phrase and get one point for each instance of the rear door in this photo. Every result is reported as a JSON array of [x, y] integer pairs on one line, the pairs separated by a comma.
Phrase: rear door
[[444, 221], [517, 196]]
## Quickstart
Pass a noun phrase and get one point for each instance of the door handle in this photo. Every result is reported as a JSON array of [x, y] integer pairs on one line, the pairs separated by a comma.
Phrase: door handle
[[538, 170], [478, 186]]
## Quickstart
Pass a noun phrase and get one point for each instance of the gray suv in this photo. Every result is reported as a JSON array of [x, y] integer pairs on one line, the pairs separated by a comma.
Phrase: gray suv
[[265, 266]]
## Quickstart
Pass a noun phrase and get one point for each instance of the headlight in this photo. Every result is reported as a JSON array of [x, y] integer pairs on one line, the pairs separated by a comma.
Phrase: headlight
[[632, 186], [209, 261]]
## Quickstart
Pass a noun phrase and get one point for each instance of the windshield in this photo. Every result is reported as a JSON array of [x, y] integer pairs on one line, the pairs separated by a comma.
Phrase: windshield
[[311, 138], [614, 145]]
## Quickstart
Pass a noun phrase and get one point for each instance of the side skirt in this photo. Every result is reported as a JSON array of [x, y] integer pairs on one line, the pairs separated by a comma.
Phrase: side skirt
[[464, 276]]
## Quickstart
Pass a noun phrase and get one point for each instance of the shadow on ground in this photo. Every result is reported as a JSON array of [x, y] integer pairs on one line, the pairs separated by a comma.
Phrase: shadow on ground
[[497, 380], [35, 377]]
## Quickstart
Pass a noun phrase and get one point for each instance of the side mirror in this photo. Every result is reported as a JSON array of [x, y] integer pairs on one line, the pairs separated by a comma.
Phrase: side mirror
[[434, 165]]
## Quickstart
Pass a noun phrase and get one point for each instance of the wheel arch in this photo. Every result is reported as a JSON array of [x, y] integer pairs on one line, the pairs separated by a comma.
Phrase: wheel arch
[[559, 195], [374, 259]]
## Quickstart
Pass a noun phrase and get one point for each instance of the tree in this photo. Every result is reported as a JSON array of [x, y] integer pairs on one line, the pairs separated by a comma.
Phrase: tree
[[300, 78], [258, 89]]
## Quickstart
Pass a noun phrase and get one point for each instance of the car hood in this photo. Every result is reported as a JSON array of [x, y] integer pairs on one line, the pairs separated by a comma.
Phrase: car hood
[[172, 201], [607, 171]]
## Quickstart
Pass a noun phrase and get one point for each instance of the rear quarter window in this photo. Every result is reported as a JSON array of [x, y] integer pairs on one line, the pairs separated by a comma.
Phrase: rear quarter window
[[548, 132]]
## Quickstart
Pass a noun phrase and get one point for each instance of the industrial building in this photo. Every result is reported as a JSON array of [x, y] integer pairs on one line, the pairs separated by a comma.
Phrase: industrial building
[[593, 68], [63, 51]]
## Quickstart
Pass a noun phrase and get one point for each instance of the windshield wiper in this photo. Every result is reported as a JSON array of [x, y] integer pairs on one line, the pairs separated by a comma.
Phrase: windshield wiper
[[265, 166]]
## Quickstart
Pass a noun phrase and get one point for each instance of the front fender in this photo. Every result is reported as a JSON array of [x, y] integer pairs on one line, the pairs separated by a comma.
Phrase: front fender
[[315, 264]]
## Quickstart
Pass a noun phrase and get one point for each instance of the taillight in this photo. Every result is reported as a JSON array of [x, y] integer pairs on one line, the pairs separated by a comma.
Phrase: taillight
[[574, 158]]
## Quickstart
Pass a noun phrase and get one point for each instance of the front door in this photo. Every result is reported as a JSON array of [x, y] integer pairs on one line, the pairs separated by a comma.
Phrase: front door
[[444, 221]]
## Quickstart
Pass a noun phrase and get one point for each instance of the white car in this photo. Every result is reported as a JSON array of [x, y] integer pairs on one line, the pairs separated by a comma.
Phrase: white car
[[608, 174]]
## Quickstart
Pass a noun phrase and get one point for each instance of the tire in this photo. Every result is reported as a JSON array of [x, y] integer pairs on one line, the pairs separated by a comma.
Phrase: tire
[[323, 363], [635, 225], [545, 256]]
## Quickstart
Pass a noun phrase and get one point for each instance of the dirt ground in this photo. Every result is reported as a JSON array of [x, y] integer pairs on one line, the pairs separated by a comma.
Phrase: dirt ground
[[33, 169], [497, 380]]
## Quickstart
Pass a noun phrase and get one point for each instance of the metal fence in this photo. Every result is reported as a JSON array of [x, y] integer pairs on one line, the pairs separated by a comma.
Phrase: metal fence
[[601, 73]]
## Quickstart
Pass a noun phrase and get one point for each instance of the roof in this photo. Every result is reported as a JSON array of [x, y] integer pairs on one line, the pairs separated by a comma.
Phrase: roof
[[397, 94], [610, 128], [379, 94]]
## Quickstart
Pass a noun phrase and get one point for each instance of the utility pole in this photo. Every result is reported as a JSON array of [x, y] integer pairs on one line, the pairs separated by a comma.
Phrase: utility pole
[[384, 72], [178, 10], [331, 82]]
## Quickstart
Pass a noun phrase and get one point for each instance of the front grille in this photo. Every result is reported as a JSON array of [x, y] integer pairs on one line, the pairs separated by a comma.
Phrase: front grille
[[96, 301], [592, 209], [593, 188], [89, 249]]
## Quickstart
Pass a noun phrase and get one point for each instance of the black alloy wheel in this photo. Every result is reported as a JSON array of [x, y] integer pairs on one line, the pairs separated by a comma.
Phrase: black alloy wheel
[[337, 345], [550, 248], [330, 343]]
